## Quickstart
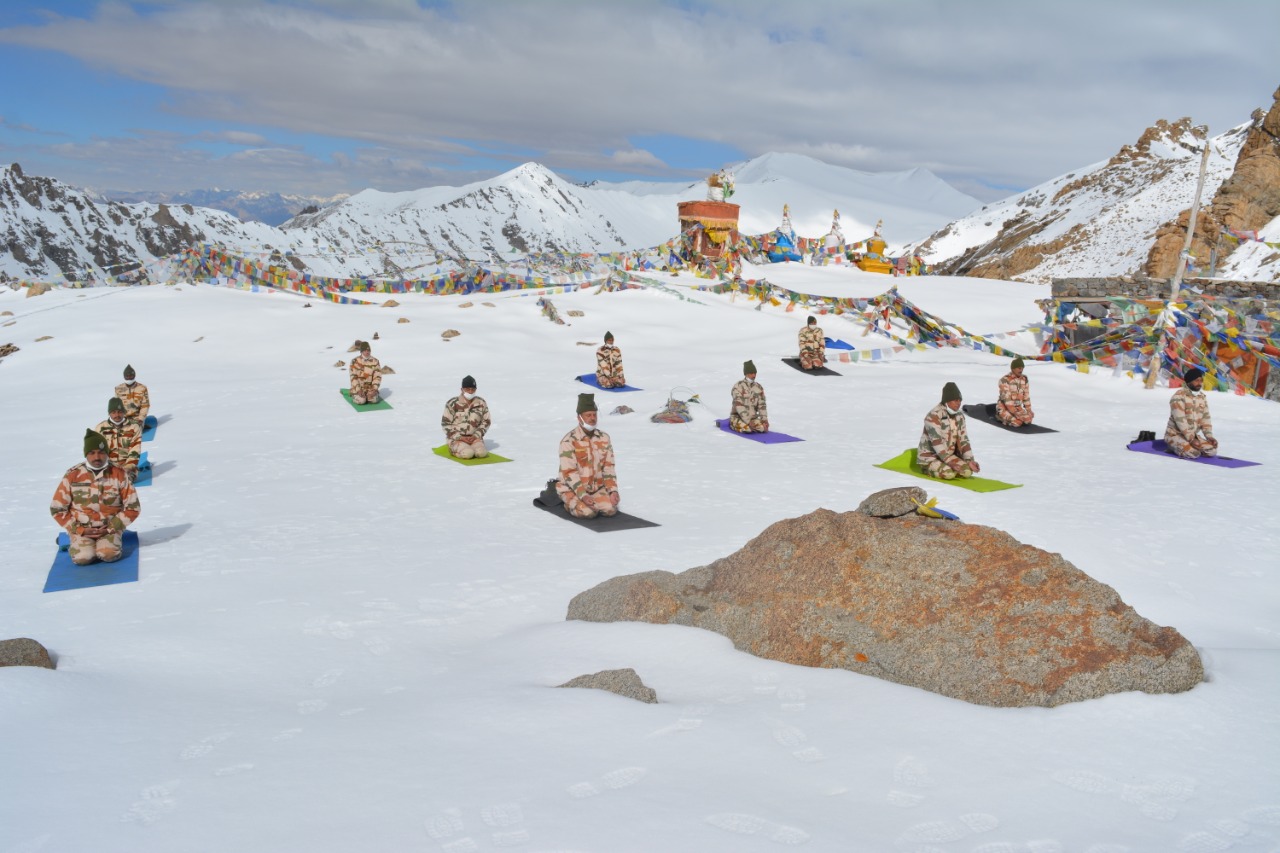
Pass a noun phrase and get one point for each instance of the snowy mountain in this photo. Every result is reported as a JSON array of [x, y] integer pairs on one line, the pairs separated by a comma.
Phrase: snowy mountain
[[1129, 214], [268, 208], [529, 209], [49, 230]]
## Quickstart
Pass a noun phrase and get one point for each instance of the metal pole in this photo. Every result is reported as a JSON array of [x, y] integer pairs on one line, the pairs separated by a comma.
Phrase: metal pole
[[1191, 224]]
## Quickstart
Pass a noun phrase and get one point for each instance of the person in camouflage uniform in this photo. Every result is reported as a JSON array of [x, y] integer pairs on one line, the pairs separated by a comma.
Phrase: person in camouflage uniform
[[366, 376], [1014, 406], [124, 438], [134, 395], [748, 411], [813, 346], [609, 364], [587, 482], [944, 450], [94, 503], [465, 421], [1189, 432]]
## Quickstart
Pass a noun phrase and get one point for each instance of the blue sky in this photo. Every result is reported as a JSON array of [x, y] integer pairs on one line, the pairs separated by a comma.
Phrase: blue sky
[[332, 96]]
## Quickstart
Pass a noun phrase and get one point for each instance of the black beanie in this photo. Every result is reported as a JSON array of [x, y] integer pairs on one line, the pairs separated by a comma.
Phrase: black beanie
[[128, 371], [813, 321], [468, 381], [1192, 375]]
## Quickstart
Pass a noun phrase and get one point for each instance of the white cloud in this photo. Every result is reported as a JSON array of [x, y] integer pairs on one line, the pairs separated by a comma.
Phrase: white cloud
[[1002, 93]]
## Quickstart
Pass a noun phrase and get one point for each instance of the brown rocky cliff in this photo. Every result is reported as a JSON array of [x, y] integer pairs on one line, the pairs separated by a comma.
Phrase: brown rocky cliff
[[1246, 201]]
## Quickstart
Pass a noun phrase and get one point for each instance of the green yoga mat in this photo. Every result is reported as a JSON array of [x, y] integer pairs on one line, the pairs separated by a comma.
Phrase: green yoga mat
[[367, 407], [905, 463], [443, 450]]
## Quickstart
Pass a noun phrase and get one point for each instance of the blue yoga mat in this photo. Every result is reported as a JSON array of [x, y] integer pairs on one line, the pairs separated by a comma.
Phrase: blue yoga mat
[[590, 379], [836, 344], [67, 575], [144, 471], [762, 437], [149, 427]]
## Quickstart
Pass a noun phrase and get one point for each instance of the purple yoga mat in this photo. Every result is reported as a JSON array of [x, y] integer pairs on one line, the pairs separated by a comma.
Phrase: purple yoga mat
[[1157, 448], [762, 437]]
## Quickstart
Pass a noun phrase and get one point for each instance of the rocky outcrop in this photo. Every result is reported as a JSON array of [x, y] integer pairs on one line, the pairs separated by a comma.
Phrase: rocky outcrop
[[24, 652], [624, 682], [892, 503], [962, 610]]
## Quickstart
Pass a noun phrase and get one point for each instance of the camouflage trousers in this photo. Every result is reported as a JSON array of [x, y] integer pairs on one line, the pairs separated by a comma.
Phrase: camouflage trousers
[[84, 550], [1179, 445], [605, 380], [811, 359], [940, 470], [1014, 414], [737, 424], [463, 450], [363, 393], [589, 506]]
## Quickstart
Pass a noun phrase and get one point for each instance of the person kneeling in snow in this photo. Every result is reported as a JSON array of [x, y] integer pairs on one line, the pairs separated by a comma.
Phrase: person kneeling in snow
[[94, 503], [944, 450], [465, 421], [1189, 432], [134, 395], [587, 483], [124, 438], [813, 346], [609, 364], [366, 377], [1014, 406], [748, 411]]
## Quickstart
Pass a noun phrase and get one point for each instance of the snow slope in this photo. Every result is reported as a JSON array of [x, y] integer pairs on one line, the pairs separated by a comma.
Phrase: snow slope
[[340, 642]]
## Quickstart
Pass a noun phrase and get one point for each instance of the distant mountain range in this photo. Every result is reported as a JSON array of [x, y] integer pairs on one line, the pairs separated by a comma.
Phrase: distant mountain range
[[49, 229], [264, 207], [1124, 216]]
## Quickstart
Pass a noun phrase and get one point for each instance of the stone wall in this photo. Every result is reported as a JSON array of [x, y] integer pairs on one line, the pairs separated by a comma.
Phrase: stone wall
[[1141, 287]]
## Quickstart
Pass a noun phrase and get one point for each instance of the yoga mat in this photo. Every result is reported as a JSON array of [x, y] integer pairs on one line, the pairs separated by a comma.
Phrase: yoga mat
[[149, 427], [762, 437], [367, 407], [590, 379], [1157, 448], [817, 371], [986, 412], [66, 575], [836, 344], [443, 450], [143, 477], [601, 523], [905, 463]]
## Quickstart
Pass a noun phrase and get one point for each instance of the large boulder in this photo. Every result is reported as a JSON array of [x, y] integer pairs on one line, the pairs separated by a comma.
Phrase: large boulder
[[24, 651], [958, 609]]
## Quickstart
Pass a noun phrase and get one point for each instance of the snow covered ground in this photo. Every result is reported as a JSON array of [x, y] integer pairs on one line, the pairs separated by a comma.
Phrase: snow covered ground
[[340, 642]]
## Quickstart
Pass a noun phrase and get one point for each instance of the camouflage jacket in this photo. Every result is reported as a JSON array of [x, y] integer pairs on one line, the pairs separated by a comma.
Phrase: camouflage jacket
[[608, 362], [462, 419], [586, 463], [86, 498], [812, 340], [124, 441], [366, 371], [1015, 391], [945, 435], [748, 401], [1189, 415], [136, 399]]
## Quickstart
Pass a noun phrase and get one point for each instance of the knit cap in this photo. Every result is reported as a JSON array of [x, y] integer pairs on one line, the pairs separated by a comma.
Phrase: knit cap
[[586, 403], [950, 391]]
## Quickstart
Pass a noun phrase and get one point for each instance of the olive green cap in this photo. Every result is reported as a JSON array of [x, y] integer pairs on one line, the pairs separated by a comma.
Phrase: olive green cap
[[93, 441], [748, 367], [950, 391], [587, 403]]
